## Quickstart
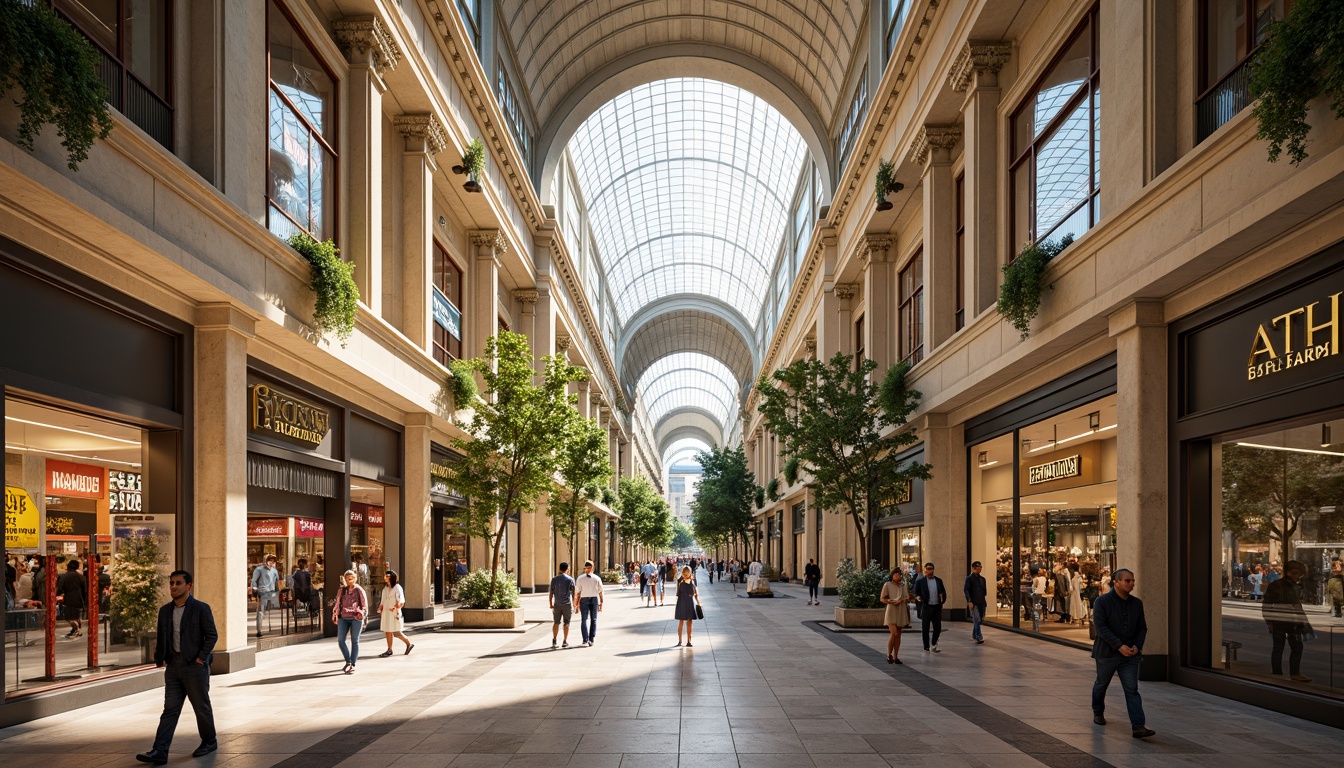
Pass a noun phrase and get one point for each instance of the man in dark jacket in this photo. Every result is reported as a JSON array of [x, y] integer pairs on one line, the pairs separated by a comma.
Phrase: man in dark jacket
[[1063, 589], [931, 595], [187, 640], [812, 577], [1121, 630], [976, 592], [1287, 620], [303, 585]]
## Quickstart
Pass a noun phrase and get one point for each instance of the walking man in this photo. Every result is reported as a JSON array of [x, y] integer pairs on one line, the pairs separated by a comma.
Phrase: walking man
[[1121, 630], [265, 580], [561, 599], [812, 577], [976, 602], [187, 638], [589, 590], [931, 595]]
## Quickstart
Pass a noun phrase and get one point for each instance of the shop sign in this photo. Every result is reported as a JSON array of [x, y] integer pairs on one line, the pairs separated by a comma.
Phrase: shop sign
[[81, 481], [375, 518], [1273, 349], [356, 515], [1069, 466], [123, 491], [71, 524], [284, 415], [309, 529], [22, 519], [272, 526], [448, 317]]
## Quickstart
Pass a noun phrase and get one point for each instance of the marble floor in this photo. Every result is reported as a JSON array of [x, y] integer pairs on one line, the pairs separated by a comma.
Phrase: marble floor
[[764, 686]]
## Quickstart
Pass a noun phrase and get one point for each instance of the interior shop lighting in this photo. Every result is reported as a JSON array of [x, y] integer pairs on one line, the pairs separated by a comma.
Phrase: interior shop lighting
[[1291, 450], [984, 460], [17, 420], [1056, 443], [81, 457]]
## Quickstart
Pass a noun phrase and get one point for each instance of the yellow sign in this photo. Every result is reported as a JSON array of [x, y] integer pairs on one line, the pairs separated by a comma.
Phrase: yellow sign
[[283, 414], [1317, 340], [22, 519]]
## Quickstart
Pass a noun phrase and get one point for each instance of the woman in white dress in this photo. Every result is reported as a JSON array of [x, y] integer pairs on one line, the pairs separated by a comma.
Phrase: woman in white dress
[[1076, 607], [390, 613]]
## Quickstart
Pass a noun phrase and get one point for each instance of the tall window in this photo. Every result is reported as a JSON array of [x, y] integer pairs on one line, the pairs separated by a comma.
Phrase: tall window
[[471, 14], [859, 348], [301, 162], [1231, 32], [447, 319], [132, 40], [897, 10], [911, 280], [960, 302], [858, 107], [513, 110], [1056, 131]]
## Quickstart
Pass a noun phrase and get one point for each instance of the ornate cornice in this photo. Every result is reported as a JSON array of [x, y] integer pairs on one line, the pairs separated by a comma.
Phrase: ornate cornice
[[845, 291], [368, 34], [489, 238], [932, 137], [975, 57], [426, 127], [526, 297]]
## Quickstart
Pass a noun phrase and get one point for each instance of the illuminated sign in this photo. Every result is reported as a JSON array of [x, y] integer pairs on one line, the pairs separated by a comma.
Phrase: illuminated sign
[[1318, 340], [1069, 466], [75, 480], [275, 526], [309, 528], [22, 519], [123, 491], [287, 416]]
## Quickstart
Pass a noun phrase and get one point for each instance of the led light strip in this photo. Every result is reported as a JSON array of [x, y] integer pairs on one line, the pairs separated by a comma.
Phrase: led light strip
[[1056, 443], [69, 429], [1291, 450]]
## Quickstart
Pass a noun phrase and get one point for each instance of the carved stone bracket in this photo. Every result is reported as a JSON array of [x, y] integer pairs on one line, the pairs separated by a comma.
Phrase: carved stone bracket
[[872, 248], [526, 297], [845, 291], [490, 238], [810, 344], [424, 127], [359, 35], [985, 58], [563, 342], [933, 137]]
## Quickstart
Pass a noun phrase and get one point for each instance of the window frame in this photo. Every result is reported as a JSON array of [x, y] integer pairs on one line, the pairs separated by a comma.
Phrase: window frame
[[959, 313], [910, 312], [440, 252], [859, 347], [854, 115], [894, 23], [1252, 45]]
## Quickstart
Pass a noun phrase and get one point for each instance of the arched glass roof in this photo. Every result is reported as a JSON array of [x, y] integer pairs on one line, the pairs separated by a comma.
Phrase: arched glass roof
[[689, 379], [683, 450], [688, 184]]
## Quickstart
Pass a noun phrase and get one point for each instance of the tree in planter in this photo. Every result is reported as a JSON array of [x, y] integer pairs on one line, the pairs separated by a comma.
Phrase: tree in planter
[[860, 589], [645, 516], [488, 589], [1272, 491], [584, 466], [137, 583], [517, 433], [332, 283], [844, 430], [1024, 282], [885, 183], [721, 511], [1302, 58], [57, 70], [473, 165]]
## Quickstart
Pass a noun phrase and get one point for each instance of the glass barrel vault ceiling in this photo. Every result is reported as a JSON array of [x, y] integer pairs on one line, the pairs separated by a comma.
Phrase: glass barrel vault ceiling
[[688, 184]]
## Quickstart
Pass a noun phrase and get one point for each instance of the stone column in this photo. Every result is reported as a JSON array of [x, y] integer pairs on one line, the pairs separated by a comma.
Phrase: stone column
[[220, 520], [879, 301], [417, 573], [371, 50], [1142, 526], [585, 404], [976, 73], [945, 505], [829, 331], [484, 301], [844, 316], [1126, 37], [932, 150], [425, 138]]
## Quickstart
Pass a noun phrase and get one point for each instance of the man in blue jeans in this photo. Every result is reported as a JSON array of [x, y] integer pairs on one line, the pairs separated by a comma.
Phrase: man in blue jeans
[[976, 592], [589, 589], [1121, 630]]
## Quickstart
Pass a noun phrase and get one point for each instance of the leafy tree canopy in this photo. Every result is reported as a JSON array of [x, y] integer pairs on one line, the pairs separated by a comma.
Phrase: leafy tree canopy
[[1270, 491], [584, 465], [645, 517], [722, 509], [682, 539]]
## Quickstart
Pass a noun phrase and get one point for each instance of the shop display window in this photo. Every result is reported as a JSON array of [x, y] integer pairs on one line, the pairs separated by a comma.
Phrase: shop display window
[[1278, 537], [368, 535]]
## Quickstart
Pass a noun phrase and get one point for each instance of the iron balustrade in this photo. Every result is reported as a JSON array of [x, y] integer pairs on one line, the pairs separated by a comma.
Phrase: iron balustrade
[[1224, 100]]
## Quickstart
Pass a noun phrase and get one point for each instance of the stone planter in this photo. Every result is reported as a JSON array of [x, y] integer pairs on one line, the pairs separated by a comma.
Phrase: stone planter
[[487, 618], [860, 617]]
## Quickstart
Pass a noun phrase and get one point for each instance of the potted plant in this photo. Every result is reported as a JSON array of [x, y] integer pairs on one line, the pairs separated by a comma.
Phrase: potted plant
[[136, 584], [886, 184], [332, 283], [473, 165], [1024, 282], [859, 593], [489, 601]]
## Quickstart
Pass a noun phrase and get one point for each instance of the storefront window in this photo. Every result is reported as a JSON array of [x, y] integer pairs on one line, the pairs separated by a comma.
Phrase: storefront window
[[1044, 512], [368, 523], [1278, 523]]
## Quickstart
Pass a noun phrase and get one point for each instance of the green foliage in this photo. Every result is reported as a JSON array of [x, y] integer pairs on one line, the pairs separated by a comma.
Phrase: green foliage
[[611, 577], [488, 589], [57, 70], [333, 282], [682, 538], [885, 179], [791, 471], [513, 452], [462, 383], [608, 496], [137, 583], [474, 159], [828, 416], [721, 511], [860, 589], [758, 496], [772, 489], [1301, 58], [1024, 282], [645, 517], [1270, 493], [584, 466]]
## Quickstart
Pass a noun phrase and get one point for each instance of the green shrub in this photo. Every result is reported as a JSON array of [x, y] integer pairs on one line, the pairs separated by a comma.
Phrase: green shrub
[[474, 590], [333, 283], [611, 577], [772, 489], [474, 159], [791, 470], [462, 383], [136, 583], [885, 179], [860, 589]]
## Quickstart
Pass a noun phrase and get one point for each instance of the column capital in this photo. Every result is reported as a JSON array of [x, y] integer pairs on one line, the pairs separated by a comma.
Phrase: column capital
[[845, 291], [225, 317], [489, 238], [419, 420], [368, 34], [985, 58], [563, 342], [933, 137], [526, 297], [871, 248], [598, 399], [423, 127], [810, 344], [1141, 313]]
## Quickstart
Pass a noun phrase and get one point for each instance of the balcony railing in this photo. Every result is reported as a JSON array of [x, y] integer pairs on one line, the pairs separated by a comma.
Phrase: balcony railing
[[1224, 100]]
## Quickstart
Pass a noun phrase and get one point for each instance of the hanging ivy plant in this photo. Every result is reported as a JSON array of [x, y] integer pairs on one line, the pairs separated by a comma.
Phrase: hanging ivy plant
[[1024, 282], [760, 497], [462, 383], [791, 470], [333, 283], [57, 70], [886, 174], [1301, 58], [772, 489], [474, 159]]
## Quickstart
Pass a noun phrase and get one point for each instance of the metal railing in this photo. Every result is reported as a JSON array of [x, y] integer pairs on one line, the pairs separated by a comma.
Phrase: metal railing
[[1224, 100]]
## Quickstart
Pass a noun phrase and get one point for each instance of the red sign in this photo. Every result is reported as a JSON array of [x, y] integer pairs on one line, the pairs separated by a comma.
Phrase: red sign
[[77, 480], [356, 514], [268, 526], [376, 517], [308, 528]]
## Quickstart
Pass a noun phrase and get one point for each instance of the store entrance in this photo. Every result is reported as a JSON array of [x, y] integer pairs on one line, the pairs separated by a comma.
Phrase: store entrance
[[450, 554]]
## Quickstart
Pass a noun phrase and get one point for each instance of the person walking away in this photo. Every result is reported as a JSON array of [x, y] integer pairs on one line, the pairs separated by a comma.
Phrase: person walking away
[[977, 600], [560, 598], [709, 570], [1063, 589], [1077, 609], [186, 643], [588, 587], [265, 580], [1287, 620], [1121, 630], [1334, 588], [931, 595], [896, 596], [719, 567], [389, 610], [688, 597], [303, 585], [71, 589], [812, 578], [650, 573], [352, 604]]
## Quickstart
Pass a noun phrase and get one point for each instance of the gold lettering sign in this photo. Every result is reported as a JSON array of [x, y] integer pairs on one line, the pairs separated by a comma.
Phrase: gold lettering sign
[[1317, 339], [285, 415], [1069, 466]]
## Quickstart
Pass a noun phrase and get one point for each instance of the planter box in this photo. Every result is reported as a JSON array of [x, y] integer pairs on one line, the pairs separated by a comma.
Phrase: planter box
[[487, 618], [860, 617]]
